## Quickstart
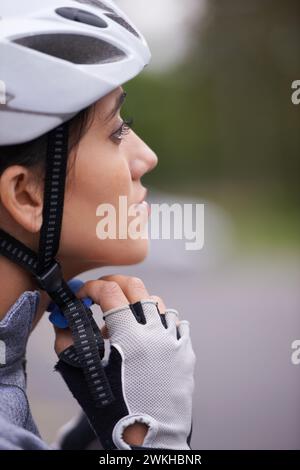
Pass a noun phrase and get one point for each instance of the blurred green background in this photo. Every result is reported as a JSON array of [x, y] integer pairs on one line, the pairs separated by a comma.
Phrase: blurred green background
[[222, 121]]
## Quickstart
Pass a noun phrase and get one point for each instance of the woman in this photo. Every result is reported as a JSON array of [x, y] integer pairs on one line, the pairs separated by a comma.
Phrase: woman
[[64, 150]]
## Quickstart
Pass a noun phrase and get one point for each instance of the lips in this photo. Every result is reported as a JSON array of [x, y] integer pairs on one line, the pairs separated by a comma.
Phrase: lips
[[143, 198], [144, 203]]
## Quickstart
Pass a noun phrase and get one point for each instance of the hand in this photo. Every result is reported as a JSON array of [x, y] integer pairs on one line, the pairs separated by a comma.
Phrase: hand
[[157, 364], [132, 289]]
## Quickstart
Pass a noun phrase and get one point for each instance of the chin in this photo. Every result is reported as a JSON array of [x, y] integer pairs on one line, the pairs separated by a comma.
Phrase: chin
[[133, 253], [120, 253]]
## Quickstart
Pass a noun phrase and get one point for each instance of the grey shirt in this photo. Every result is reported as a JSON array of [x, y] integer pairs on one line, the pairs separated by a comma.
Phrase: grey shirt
[[17, 427]]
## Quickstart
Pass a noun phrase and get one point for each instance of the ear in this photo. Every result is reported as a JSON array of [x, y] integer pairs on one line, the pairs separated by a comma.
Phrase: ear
[[22, 197]]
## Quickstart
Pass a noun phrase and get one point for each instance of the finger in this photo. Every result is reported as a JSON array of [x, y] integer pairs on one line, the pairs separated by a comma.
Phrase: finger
[[172, 319], [160, 302], [133, 287], [63, 339], [184, 328], [107, 294], [104, 332]]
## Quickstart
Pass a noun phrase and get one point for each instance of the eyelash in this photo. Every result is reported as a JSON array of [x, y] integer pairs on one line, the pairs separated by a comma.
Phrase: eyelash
[[123, 130]]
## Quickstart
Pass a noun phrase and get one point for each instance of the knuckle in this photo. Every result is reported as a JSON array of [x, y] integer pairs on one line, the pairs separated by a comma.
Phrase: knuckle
[[112, 277], [160, 303], [109, 288], [90, 283], [135, 283], [156, 298]]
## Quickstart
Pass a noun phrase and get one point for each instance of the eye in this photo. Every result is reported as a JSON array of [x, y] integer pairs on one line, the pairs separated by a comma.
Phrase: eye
[[123, 130]]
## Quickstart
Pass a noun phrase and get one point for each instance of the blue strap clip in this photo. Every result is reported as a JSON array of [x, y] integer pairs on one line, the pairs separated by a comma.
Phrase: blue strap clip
[[56, 316]]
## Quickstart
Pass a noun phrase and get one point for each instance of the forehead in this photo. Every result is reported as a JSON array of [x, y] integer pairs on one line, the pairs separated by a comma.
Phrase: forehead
[[110, 99], [105, 105]]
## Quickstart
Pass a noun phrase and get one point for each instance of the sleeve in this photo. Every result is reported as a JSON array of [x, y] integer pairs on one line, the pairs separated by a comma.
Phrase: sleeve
[[13, 437]]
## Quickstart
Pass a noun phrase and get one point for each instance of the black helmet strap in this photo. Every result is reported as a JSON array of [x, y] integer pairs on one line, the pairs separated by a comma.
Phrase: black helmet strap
[[88, 341]]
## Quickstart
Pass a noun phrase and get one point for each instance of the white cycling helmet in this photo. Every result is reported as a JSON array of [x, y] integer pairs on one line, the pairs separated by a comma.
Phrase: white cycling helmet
[[59, 57]]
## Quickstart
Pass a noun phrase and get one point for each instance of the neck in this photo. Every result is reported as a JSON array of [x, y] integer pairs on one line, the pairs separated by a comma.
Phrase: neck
[[15, 280]]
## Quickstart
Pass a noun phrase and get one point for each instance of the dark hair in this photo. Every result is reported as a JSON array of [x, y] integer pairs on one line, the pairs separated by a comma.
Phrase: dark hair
[[33, 153]]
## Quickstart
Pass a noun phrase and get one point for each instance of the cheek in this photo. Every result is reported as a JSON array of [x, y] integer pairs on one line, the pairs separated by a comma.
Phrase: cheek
[[98, 176]]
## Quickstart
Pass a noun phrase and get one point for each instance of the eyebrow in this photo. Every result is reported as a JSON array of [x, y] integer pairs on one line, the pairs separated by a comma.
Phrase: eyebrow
[[119, 102]]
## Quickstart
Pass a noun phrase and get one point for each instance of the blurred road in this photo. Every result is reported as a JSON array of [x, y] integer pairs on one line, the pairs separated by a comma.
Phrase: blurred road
[[244, 314]]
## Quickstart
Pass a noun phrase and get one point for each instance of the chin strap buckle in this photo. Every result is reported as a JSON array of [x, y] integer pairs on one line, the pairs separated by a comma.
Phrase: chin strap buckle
[[51, 279]]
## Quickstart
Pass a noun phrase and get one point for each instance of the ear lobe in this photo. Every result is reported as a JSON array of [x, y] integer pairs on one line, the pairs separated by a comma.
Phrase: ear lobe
[[22, 198]]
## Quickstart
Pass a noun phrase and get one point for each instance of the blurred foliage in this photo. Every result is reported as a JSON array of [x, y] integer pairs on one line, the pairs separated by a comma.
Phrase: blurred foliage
[[222, 122]]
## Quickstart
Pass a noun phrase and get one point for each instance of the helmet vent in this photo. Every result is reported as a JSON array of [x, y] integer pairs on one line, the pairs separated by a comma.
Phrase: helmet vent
[[76, 48], [97, 4], [121, 21], [81, 16]]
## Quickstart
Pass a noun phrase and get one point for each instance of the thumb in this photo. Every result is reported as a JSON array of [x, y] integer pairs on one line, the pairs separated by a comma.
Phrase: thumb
[[63, 339]]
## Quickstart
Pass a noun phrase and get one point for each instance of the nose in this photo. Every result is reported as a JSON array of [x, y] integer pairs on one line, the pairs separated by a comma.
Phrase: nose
[[143, 159]]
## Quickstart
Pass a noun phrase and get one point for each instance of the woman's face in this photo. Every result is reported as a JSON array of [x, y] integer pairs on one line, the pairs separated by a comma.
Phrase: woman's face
[[105, 165]]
